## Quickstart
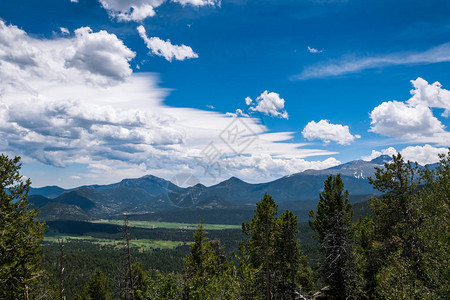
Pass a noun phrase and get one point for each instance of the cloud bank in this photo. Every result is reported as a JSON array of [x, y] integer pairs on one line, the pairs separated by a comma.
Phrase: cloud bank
[[424, 155]]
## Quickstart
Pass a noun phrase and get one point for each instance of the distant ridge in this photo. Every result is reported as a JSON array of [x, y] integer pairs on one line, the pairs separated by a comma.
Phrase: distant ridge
[[149, 194]]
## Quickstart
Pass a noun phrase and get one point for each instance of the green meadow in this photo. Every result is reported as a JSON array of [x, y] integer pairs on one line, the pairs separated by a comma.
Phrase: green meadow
[[167, 225], [141, 244]]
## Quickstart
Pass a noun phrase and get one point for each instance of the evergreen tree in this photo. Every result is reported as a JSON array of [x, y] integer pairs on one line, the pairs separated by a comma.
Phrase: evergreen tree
[[246, 273], [141, 282], [367, 259], [20, 233], [208, 274], [291, 266], [275, 256], [203, 259], [332, 222], [410, 230], [261, 230], [97, 288], [166, 286], [434, 234]]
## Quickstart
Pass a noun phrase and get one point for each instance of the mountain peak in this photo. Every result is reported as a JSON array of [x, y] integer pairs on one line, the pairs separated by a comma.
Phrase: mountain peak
[[381, 160], [234, 179]]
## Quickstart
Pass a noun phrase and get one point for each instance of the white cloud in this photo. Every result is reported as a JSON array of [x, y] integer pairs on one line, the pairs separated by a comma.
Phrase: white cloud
[[138, 10], [269, 104], [131, 10], [136, 13], [426, 154], [74, 1], [423, 154], [64, 30], [238, 113], [314, 50], [323, 130], [198, 2], [100, 53], [60, 107], [398, 119], [75, 177], [413, 120], [432, 95], [99, 58], [165, 48], [263, 167], [346, 65]]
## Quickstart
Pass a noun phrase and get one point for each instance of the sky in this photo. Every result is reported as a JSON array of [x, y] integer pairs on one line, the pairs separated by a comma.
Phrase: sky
[[95, 91]]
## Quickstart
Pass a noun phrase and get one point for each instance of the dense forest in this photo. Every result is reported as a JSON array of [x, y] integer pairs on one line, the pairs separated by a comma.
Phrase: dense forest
[[400, 250]]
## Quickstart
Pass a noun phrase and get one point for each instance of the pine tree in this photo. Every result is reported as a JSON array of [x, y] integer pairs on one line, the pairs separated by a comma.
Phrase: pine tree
[[97, 288], [261, 230], [141, 282], [20, 233], [434, 234], [291, 266], [332, 222], [202, 260], [246, 273], [275, 256], [410, 225]]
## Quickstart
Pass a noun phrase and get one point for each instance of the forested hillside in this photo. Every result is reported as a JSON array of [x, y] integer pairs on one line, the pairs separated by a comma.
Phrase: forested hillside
[[393, 247]]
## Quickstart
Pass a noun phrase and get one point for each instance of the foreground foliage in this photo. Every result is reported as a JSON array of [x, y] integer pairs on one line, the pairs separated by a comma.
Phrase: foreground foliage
[[20, 235], [406, 241]]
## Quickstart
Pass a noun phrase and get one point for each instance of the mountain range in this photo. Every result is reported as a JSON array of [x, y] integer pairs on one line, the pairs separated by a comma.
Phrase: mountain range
[[151, 195]]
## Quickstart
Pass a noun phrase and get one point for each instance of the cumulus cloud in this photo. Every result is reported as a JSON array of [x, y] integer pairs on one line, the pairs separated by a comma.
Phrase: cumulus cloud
[[138, 10], [431, 95], [165, 48], [413, 119], [323, 130], [100, 53], [398, 119], [269, 104], [98, 57], [263, 167], [424, 155], [353, 64], [314, 50]]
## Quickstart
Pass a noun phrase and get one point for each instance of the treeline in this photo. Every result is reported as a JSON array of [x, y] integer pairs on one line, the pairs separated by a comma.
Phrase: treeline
[[400, 251]]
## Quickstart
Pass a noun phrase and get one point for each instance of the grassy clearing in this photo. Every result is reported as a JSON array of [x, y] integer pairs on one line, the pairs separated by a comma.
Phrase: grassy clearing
[[141, 244], [168, 225]]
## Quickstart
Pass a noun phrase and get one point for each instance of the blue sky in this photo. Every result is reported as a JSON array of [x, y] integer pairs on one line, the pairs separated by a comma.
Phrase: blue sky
[[94, 91]]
